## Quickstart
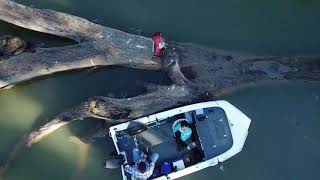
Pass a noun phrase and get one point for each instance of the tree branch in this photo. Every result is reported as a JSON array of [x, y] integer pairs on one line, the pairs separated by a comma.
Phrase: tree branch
[[51, 22], [114, 111], [219, 72], [62, 24], [89, 54]]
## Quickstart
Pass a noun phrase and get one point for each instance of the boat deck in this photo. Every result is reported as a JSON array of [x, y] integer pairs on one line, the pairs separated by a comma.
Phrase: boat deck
[[213, 137], [160, 139]]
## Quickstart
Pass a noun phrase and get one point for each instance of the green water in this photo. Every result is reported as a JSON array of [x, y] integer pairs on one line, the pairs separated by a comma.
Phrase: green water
[[283, 142], [257, 26]]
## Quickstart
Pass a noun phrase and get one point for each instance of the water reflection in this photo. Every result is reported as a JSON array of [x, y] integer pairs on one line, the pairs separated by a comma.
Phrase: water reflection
[[18, 113], [82, 155], [16, 105]]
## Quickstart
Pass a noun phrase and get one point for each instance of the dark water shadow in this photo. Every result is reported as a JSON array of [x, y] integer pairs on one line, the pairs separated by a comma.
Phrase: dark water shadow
[[36, 38]]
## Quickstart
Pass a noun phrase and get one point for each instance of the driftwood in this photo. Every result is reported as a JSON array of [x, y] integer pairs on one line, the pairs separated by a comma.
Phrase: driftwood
[[197, 73]]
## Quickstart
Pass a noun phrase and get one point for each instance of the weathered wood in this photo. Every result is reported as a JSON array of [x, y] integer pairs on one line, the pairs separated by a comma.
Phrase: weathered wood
[[52, 22], [98, 46], [89, 54], [113, 110]]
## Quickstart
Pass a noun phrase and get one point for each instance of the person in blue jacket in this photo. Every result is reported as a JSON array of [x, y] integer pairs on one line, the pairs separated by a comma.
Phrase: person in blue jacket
[[183, 133]]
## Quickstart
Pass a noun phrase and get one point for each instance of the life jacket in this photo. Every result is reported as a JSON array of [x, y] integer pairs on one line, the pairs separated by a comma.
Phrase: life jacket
[[184, 135], [158, 39]]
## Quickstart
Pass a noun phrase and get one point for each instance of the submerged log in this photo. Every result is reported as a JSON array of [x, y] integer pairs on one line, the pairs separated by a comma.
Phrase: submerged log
[[197, 73]]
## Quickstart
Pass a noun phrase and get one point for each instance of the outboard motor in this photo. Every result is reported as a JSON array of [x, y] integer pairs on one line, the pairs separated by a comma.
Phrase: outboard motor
[[114, 163]]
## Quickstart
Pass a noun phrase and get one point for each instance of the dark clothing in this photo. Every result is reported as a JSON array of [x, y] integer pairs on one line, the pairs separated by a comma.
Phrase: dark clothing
[[179, 141]]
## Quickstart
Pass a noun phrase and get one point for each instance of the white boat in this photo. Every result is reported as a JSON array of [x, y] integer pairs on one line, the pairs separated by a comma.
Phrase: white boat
[[220, 131]]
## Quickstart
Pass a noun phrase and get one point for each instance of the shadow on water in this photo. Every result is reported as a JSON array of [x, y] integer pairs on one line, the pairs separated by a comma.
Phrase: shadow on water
[[68, 89]]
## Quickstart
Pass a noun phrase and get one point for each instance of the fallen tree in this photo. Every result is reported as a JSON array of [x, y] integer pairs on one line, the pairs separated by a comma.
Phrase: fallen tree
[[197, 73]]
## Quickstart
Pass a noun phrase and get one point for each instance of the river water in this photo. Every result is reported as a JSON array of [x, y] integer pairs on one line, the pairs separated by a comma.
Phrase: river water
[[283, 141]]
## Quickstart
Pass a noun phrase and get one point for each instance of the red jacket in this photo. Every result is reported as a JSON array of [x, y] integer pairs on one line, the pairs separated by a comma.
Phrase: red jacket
[[158, 39]]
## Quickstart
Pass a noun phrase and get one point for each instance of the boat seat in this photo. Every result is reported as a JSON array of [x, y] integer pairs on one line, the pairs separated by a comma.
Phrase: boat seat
[[188, 117]]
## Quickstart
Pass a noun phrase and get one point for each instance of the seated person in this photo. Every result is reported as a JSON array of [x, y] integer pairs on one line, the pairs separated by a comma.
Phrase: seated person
[[182, 132], [143, 165]]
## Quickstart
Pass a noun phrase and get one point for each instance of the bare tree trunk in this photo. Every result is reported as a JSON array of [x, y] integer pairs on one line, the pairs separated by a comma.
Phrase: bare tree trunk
[[52, 22], [89, 54]]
